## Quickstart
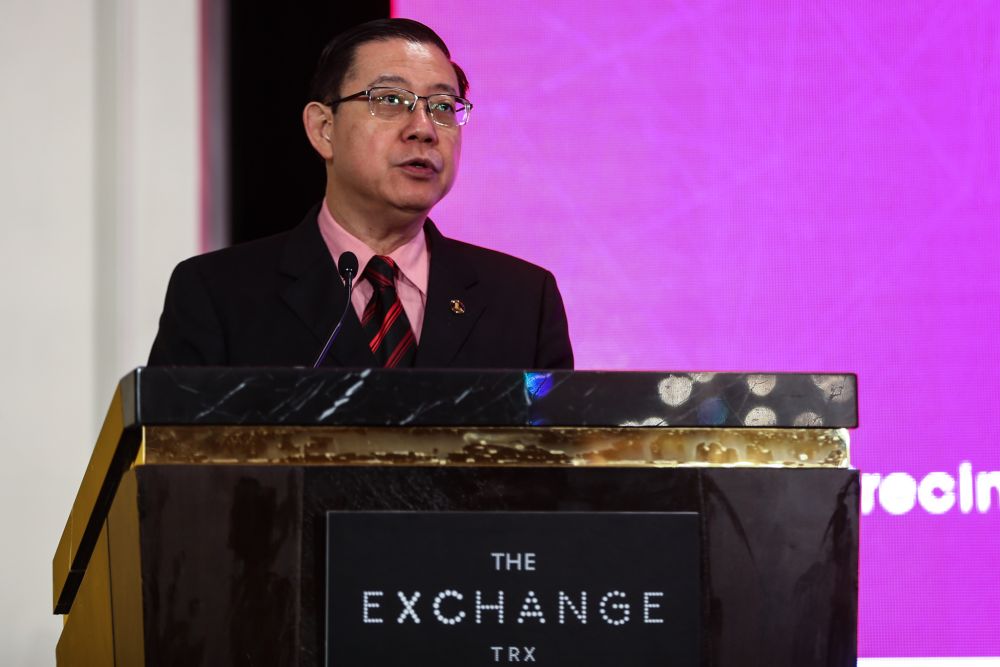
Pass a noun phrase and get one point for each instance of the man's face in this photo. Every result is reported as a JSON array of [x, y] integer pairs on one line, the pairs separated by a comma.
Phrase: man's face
[[372, 169]]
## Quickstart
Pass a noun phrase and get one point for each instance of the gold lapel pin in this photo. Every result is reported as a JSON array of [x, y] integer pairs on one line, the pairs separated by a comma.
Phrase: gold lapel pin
[[457, 307]]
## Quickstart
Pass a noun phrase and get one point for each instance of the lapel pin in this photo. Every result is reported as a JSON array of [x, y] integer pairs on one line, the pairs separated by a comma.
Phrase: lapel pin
[[457, 307]]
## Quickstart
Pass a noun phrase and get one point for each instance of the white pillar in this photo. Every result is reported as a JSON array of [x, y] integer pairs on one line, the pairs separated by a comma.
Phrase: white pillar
[[98, 199]]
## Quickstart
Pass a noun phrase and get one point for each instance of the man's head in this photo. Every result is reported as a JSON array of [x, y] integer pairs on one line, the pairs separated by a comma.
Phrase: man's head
[[384, 171]]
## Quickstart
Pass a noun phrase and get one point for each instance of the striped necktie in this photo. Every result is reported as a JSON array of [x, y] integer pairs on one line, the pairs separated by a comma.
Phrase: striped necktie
[[384, 322]]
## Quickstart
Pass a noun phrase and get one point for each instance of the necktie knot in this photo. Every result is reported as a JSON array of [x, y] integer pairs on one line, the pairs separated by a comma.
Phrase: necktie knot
[[381, 272]]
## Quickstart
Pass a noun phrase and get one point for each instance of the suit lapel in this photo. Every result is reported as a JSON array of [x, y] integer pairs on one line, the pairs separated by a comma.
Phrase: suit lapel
[[316, 294], [453, 277]]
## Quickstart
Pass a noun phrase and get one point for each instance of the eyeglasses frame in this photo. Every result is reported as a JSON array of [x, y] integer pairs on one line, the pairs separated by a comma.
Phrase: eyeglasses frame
[[426, 98]]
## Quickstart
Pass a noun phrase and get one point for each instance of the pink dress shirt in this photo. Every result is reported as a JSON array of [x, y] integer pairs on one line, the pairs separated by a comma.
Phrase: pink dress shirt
[[413, 259]]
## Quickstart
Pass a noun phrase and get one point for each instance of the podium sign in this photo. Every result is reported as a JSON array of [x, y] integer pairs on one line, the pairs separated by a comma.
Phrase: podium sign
[[464, 588]]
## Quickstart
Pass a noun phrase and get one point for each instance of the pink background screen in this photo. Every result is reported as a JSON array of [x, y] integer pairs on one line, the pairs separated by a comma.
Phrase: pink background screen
[[774, 186]]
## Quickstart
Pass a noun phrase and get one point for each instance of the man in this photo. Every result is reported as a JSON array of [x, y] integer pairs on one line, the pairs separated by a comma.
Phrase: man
[[386, 117]]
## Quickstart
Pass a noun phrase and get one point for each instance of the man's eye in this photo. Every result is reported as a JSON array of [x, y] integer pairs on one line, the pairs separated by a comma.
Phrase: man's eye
[[390, 100], [444, 107]]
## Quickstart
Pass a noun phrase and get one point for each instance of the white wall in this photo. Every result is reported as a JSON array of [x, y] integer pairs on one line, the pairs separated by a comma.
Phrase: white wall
[[98, 199]]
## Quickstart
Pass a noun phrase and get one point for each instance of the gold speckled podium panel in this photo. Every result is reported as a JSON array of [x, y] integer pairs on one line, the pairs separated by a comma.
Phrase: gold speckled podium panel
[[658, 447]]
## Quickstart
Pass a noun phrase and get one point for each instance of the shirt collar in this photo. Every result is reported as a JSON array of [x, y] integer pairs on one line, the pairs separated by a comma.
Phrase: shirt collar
[[412, 257]]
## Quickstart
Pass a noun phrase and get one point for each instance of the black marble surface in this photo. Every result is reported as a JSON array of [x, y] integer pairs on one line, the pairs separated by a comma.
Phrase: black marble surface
[[233, 556], [290, 396]]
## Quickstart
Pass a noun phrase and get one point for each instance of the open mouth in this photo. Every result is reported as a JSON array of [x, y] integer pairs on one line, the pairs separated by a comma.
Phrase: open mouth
[[419, 166]]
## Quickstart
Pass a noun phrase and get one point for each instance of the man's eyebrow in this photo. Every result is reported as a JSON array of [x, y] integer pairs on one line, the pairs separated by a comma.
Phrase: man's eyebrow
[[445, 87], [388, 78], [396, 79]]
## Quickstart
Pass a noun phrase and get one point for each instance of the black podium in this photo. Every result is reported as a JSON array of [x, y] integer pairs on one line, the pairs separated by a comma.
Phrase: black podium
[[300, 517]]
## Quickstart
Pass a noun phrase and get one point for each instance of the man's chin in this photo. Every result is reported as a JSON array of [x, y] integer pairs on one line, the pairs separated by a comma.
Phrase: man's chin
[[416, 205]]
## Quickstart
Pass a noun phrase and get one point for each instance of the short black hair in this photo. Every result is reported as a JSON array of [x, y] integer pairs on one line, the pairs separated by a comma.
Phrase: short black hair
[[338, 55]]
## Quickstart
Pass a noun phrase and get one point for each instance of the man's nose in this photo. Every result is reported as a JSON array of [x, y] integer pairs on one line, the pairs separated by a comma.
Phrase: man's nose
[[419, 126]]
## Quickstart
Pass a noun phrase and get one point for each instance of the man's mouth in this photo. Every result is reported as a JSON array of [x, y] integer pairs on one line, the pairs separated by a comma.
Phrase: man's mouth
[[420, 166]]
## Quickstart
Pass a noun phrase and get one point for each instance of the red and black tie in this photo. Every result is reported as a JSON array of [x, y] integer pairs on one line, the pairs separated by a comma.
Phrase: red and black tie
[[384, 321]]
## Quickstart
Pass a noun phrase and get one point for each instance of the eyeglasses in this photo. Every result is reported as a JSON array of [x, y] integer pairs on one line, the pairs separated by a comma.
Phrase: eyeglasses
[[394, 103]]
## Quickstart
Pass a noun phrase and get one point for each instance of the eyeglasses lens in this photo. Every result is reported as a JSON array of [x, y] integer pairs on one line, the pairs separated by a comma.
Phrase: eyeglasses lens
[[446, 110]]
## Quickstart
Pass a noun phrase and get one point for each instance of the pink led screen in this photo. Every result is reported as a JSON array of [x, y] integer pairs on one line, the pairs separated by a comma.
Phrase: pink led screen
[[774, 186]]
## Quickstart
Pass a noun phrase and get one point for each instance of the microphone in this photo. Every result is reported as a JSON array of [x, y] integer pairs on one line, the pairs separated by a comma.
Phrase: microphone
[[348, 268]]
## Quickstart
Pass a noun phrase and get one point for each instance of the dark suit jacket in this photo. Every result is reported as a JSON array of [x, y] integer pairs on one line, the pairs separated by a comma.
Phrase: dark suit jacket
[[273, 302]]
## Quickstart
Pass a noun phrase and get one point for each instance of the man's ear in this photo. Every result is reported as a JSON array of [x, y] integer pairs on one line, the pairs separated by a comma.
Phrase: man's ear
[[318, 121]]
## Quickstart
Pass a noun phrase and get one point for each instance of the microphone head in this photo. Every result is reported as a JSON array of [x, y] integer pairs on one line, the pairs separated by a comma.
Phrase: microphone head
[[348, 266]]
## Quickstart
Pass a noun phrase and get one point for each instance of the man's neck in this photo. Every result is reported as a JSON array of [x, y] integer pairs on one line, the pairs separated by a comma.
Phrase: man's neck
[[381, 233]]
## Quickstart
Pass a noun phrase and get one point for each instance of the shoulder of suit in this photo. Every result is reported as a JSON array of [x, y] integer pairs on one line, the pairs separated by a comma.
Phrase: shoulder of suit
[[493, 261], [250, 255]]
